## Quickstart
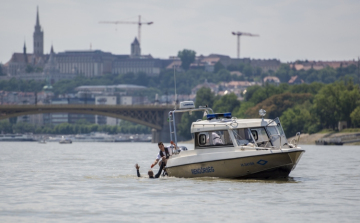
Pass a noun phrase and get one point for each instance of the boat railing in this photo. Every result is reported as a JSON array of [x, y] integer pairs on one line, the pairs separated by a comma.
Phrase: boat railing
[[294, 141], [172, 122], [298, 135]]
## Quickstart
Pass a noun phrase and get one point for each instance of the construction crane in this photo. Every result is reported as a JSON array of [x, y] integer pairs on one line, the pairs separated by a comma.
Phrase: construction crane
[[139, 23], [238, 34]]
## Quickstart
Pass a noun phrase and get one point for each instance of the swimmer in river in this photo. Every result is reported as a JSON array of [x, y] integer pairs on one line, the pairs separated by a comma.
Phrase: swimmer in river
[[150, 172]]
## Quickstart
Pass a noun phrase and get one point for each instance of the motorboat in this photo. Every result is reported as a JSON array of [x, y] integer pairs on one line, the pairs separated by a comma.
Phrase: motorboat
[[42, 141], [227, 147], [64, 140]]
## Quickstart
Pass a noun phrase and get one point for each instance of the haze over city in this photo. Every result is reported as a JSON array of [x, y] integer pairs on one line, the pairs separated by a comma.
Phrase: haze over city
[[289, 30]]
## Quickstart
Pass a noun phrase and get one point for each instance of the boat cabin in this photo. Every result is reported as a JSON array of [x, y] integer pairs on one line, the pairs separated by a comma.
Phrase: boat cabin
[[223, 130], [232, 132]]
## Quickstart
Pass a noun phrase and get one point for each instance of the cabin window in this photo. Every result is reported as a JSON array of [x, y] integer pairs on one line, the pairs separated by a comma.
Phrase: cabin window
[[260, 136], [213, 139], [276, 133], [243, 136], [272, 131]]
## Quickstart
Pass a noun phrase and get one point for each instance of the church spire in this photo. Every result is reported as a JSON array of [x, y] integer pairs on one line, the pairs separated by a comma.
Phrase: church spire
[[24, 49], [24, 52], [37, 17], [52, 49], [38, 37]]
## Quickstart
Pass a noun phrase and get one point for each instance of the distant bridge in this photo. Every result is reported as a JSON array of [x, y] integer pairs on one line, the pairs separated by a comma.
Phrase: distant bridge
[[153, 116]]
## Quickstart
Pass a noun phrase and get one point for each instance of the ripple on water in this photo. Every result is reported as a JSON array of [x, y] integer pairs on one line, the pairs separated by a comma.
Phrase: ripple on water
[[94, 182]]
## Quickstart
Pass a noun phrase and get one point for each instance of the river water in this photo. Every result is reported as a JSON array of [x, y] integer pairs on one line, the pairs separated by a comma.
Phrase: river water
[[96, 182]]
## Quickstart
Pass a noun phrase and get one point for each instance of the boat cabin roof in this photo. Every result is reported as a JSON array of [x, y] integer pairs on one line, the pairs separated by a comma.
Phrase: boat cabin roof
[[223, 124]]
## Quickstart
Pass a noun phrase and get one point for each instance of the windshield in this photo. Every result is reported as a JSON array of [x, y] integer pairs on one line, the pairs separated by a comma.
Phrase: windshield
[[260, 136], [243, 137], [276, 133]]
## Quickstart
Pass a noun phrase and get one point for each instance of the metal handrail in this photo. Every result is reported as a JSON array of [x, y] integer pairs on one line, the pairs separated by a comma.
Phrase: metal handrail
[[297, 134], [172, 119]]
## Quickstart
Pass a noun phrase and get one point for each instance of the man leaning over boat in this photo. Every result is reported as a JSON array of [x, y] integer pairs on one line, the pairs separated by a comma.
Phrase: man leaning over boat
[[163, 153]]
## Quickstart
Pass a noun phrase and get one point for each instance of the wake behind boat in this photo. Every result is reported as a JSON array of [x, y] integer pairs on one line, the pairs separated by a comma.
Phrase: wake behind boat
[[227, 147]]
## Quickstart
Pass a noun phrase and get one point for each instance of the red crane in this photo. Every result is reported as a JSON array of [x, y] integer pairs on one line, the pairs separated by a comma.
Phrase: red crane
[[139, 23], [238, 34]]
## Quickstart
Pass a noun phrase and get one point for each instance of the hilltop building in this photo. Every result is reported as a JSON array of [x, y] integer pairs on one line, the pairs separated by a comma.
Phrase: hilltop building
[[69, 64], [295, 80], [213, 87], [208, 63], [272, 80], [20, 61], [318, 65], [89, 63]]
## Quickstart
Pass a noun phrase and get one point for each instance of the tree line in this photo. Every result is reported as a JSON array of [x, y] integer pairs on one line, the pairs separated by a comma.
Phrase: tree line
[[81, 127], [306, 108]]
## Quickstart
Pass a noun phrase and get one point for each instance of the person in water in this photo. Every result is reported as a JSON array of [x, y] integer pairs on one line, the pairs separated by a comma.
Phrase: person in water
[[150, 172]]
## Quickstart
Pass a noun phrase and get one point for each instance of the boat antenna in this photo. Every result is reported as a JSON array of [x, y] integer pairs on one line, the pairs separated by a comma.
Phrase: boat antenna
[[175, 88]]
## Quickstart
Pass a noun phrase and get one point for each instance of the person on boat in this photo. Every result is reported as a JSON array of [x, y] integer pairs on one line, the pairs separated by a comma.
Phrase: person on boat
[[164, 152], [216, 140], [150, 172]]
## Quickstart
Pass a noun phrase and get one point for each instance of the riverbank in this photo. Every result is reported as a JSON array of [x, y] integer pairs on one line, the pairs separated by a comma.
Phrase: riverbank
[[91, 137], [309, 139]]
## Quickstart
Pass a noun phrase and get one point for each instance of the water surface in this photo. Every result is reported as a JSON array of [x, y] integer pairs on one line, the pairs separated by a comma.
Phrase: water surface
[[96, 182]]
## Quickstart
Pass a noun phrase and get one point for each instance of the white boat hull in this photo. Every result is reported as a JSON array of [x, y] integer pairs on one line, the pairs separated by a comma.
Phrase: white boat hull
[[234, 163]]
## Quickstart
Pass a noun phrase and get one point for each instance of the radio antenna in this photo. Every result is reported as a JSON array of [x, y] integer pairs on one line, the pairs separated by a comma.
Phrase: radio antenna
[[175, 88]]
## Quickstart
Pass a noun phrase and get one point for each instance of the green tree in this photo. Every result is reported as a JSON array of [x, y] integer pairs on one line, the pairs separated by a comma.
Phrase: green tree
[[218, 66], [284, 73], [335, 102], [5, 126], [355, 117], [204, 96], [2, 73], [278, 103], [183, 127], [187, 57], [241, 111], [223, 75], [295, 120], [226, 103]]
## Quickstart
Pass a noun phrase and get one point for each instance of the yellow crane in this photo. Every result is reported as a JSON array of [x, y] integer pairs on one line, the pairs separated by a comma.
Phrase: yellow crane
[[238, 34], [139, 23]]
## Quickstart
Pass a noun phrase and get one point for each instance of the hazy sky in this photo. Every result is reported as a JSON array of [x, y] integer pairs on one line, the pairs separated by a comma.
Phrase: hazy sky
[[288, 29]]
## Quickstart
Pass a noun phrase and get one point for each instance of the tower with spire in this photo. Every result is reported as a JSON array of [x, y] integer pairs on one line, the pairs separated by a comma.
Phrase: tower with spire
[[135, 49], [25, 55], [38, 37]]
